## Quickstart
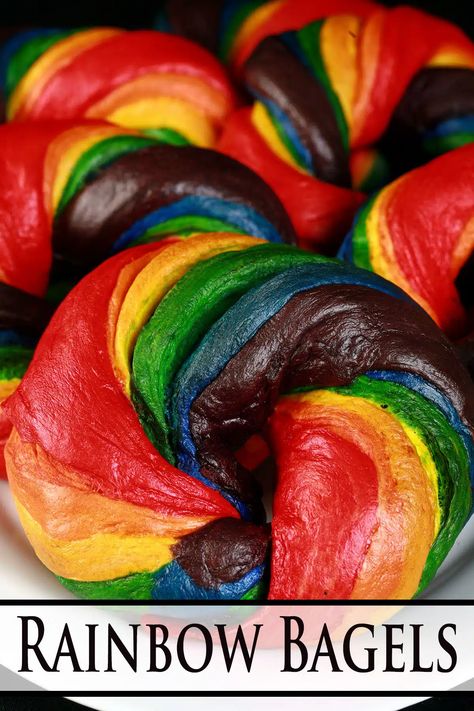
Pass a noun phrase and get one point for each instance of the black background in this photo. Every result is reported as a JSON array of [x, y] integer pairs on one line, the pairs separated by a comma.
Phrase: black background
[[140, 13]]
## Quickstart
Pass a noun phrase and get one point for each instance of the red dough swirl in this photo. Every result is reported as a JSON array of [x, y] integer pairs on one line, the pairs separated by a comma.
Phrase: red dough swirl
[[145, 80], [71, 194], [177, 366], [340, 104], [418, 232], [125, 460]]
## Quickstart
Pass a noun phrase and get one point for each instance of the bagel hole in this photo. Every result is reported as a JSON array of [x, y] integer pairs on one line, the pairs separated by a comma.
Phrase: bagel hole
[[266, 476], [256, 456]]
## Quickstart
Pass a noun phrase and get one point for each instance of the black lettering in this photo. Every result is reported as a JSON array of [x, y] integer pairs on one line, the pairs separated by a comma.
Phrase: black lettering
[[346, 648], [289, 641], [180, 647], [92, 667], [448, 647], [241, 642], [26, 645], [390, 646], [154, 645], [325, 638], [130, 657], [417, 651], [66, 649]]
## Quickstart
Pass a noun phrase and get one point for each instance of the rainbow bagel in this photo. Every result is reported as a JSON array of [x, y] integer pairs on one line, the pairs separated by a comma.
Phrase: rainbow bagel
[[76, 193], [134, 443], [143, 79], [340, 106], [232, 29], [419, 233]]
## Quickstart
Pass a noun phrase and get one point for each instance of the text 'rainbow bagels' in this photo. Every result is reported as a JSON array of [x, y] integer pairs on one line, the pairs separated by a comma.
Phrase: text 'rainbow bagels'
[[418, 232], [137, 425], [72, 194], [341, 105], [163, 84]]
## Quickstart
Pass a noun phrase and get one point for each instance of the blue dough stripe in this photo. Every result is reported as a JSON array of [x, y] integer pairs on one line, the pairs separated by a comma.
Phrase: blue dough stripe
[[346, 252], [451, 126], [173, 583], [429, 392], [13, 44], [274, 110], [238, 325], [13, 338], [239, 216]]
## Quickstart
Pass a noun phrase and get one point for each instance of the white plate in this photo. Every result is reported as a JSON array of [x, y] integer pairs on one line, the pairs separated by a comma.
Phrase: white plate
[[22, 576]]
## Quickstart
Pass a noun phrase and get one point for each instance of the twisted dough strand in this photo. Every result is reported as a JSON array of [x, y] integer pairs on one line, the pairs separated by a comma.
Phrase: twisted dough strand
[[146, 80], [73, 193], [124, 455], [418, 232], [344, 102]]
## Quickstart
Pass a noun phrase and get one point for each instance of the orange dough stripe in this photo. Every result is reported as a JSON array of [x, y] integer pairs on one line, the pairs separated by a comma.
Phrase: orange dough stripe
[[349, 456], [112, 431]]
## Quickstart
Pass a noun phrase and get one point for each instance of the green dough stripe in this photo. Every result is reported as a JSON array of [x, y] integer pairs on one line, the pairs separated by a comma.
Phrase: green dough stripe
[[443, 144], [446, 448], [378, 175], [14, 361], [98, 156], [241, 13], [285, 139], [167, 135], [185, 226], [258, 592], [58, 290], [138, 586], [185, 315], [360, 243], [309, 38], [26, 56]]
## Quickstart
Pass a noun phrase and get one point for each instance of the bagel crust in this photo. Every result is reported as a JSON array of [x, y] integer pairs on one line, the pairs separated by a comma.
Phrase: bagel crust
[[172, 370]]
